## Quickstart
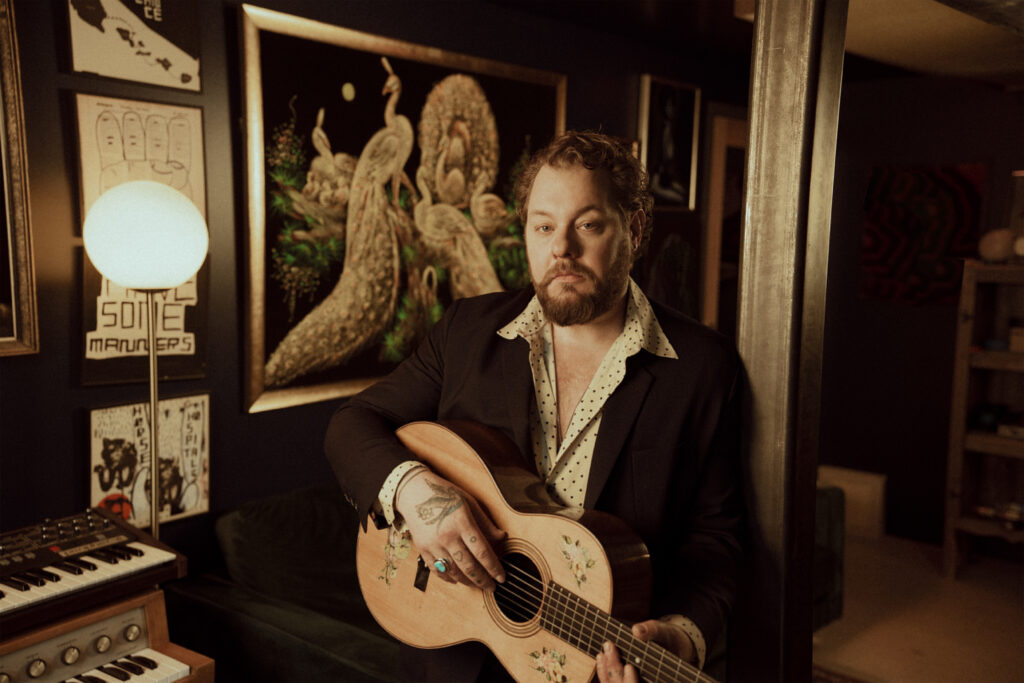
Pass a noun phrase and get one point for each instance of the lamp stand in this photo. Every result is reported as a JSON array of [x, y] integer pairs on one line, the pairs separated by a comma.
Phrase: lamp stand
[[154, 417]]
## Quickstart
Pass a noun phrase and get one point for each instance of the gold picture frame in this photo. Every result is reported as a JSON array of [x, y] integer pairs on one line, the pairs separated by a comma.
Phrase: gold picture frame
[[286, 104], [19, 332]]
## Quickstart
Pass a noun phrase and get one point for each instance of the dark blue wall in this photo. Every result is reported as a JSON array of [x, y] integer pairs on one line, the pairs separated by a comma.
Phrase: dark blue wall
[[44, 452]]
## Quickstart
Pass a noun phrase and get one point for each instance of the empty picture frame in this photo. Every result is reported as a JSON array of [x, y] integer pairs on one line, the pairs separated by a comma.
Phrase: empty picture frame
[[19, 332]]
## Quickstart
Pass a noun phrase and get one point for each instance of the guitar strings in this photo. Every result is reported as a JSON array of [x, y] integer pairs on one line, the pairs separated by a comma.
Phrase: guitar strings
[[528, 588]]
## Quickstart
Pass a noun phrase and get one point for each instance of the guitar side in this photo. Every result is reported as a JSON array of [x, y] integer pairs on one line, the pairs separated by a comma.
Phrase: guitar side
[[593, 555]]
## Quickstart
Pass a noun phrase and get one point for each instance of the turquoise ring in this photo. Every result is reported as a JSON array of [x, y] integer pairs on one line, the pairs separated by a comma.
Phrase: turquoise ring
[[441, 565]]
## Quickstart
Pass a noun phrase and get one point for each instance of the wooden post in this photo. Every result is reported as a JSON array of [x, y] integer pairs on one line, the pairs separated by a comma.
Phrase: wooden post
[[794, 107]]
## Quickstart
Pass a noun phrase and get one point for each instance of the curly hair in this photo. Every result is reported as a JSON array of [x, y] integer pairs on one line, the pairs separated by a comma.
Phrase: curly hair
[[595, 151]]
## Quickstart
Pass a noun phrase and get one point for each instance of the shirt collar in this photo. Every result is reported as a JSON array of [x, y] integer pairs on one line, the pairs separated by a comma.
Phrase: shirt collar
[[641, 326]]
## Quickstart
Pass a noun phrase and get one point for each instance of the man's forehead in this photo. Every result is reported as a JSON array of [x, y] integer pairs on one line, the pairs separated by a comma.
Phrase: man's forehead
[[599, 177]]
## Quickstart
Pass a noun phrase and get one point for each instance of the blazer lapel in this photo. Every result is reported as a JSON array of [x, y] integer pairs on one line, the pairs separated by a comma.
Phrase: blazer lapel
[[518, 388], [620, 412]]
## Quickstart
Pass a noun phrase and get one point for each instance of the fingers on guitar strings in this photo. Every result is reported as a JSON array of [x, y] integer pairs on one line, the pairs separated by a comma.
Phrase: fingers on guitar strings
[[470, 568]]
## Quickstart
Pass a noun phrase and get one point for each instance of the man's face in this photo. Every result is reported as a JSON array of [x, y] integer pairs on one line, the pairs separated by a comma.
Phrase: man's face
[[577, 245]]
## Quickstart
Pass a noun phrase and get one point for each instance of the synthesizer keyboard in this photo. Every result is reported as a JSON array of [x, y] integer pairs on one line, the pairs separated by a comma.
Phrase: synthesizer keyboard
[[74, 563]]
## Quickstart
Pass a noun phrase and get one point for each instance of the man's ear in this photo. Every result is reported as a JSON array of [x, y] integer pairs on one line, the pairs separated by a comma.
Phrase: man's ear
[[636, 228]]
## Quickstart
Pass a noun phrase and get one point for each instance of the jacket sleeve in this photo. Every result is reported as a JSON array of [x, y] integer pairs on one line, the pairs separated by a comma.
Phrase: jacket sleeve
[[360, 442], [704, 571]]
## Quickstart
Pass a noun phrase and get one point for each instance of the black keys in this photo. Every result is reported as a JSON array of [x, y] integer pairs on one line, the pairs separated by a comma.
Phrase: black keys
[[119, 552], [29, 578], [81, 564], [115, 672], [142, 660], [130, 667], [14, 583], [86, 678], [69, 568], [104, 555], [44, 575]]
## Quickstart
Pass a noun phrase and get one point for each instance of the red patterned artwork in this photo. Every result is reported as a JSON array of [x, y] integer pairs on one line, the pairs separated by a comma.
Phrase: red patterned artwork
[[919, 225]]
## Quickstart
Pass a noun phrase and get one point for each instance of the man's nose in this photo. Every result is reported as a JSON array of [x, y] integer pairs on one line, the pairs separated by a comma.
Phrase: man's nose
[[564, 244]]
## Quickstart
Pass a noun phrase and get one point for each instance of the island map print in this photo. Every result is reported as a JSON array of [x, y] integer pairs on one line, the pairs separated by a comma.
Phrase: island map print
[[150, 41]]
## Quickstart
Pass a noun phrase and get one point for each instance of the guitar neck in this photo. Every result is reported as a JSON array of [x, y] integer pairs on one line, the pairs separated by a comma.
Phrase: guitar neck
[[585, 627]]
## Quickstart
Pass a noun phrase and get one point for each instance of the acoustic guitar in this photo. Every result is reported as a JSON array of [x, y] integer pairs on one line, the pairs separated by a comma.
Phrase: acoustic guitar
[[568, 571]]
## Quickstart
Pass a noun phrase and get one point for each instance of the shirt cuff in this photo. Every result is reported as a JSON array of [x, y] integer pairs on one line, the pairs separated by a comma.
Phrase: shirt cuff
[[386, 497], [691, 629]]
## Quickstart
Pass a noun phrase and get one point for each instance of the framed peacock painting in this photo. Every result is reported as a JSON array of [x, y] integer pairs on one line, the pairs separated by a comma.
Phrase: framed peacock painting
[[379, 190]]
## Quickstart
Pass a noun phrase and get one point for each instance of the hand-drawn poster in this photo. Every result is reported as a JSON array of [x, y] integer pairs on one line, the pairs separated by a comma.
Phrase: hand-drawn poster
[[122, 140], [150, 41], [120, 462]]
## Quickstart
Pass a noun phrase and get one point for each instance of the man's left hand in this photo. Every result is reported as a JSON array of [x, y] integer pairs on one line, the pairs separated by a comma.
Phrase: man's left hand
[[610, 668]]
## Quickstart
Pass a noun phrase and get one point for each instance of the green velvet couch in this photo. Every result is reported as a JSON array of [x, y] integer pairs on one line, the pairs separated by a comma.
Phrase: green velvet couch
[[829, 538], [289, 607]]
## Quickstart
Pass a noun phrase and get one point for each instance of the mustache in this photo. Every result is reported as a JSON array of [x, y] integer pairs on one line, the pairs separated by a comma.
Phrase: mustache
[[567, 268]]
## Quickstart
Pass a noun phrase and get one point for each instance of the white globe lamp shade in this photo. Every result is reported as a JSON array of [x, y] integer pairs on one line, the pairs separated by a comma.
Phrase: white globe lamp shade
[[145, 235]]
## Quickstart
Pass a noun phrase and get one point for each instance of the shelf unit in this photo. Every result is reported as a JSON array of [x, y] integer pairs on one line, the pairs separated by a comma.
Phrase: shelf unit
[[984, 468]]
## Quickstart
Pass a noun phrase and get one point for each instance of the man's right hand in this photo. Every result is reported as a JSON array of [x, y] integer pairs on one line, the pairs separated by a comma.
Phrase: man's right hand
[[447, 523]]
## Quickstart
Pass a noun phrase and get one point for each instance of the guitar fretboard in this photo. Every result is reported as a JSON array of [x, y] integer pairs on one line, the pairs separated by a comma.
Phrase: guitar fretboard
[[585, 627]]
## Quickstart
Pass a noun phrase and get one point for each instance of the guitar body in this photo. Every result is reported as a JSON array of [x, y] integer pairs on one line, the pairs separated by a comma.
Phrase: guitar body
[[552, 555]]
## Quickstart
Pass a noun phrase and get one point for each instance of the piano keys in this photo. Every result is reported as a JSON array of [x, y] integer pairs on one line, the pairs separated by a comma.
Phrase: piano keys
[[71, 564], [124, 641], [145, 666]]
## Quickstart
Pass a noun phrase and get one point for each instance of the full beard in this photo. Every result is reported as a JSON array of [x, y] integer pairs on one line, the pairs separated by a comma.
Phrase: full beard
[[566, 306]]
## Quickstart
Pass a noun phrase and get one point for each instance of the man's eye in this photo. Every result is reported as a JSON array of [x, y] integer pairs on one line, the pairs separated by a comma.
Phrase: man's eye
[[588, 225], [542, 228]]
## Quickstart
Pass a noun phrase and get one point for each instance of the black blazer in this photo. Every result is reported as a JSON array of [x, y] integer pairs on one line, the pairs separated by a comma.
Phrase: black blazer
[[665, 460]]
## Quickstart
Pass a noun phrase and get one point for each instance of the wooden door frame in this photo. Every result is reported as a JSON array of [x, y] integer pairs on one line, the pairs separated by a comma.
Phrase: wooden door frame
[[725, 132]]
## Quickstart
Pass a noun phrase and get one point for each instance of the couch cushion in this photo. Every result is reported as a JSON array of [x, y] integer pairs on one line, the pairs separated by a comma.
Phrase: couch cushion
[[297, 546], [258, 639]]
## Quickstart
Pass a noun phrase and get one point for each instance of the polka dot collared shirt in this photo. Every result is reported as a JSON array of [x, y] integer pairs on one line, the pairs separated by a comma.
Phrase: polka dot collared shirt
[[565, 463]]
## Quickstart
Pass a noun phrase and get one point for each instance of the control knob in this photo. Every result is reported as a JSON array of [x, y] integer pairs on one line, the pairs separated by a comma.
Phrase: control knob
[[36, 668]]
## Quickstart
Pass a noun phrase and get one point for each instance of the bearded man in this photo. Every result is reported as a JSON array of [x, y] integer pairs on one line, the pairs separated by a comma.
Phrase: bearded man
[[619, 404]]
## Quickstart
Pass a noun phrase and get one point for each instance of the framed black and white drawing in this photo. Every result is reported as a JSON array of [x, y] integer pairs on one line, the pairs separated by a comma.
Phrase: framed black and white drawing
[[669, 119], [122, 140], [149, 41], [119, 467]]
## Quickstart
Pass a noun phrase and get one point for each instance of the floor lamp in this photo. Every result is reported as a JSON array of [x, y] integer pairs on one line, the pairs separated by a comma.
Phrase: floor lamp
[[149, 237]]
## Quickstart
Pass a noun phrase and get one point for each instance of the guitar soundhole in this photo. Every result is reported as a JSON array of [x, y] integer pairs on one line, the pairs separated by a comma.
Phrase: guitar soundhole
[[519, 598]]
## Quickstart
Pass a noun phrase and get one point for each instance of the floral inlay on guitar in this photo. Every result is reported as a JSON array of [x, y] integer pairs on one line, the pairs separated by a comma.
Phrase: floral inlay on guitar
[[551, 663], [397, 548], [579, 559]]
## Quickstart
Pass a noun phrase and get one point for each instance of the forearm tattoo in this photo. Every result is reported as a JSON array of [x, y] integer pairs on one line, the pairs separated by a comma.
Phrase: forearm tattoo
[[444, 502]]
